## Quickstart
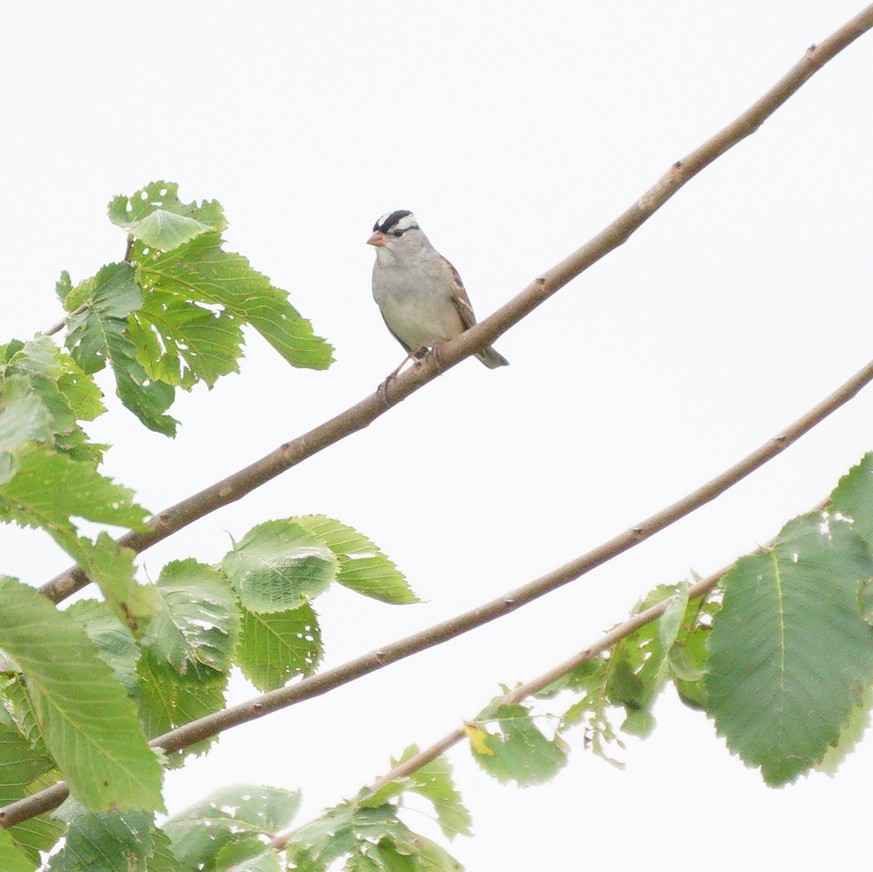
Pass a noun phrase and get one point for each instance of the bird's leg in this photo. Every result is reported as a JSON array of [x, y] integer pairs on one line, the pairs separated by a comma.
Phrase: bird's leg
[[382, 390]]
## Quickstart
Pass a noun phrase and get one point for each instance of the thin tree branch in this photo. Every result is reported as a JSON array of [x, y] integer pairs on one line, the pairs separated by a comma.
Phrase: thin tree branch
[[316, 685], [518, 694], [368, 410], [56, 328]]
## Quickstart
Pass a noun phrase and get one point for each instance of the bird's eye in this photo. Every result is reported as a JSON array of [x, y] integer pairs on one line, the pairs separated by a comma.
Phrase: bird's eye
[[397, 232]]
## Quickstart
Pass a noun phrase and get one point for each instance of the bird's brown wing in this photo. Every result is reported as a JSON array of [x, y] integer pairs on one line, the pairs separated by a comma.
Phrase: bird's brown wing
[[461, 300]]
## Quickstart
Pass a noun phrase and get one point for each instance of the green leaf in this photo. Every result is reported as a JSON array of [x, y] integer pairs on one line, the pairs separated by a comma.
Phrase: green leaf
[[362, 566], [111, 567], [789, 649], [181, 343], [52, 488], [267, 861], [19, 709], [108, 842], [99, 334], [162, 859], [517, 751], [670, 622], [20, 766], [157, 217], [201, 271], [67, 393], [23, 417], [850, 736], [688, 661], [12, 858], [639, 723], [49, 490], [114, 642], [64, 287], [94, 737], [369, 839], [168, 700], [276, 646], [593, 711], [853, 497], [226, 817], [198, 618], [434, 782], [625, 687], [278, 566]]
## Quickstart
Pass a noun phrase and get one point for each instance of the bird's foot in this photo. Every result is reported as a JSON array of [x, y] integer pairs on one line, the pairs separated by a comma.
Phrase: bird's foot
[[435, 354], [382, 390]]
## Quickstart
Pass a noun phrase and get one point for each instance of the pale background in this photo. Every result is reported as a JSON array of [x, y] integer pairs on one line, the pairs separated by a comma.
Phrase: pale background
[[515, 131]]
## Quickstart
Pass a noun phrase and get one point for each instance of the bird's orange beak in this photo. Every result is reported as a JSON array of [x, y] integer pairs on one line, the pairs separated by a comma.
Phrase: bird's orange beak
[[377, 239]]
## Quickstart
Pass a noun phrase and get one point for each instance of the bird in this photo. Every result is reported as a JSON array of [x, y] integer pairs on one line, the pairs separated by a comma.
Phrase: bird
[[419, 293]]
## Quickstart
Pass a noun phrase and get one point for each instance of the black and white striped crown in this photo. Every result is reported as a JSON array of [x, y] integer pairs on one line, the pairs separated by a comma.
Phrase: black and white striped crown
[[396, 222]]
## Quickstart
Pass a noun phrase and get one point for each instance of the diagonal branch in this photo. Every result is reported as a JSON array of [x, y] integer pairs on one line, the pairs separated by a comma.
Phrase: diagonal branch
[[522, 692], [478, 337], [316, 685], [608, 640]]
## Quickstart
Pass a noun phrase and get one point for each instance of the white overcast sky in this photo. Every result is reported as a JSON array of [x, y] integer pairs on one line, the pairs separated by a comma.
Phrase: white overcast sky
[[515, 131]]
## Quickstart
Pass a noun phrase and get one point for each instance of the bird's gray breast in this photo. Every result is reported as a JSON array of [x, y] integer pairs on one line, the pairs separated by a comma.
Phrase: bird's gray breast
[[417, 303]]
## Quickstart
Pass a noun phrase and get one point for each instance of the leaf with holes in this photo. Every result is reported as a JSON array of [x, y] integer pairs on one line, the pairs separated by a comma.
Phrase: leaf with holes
[[853, 497], [157, 217], [168, 700], [279, 566], [201, 271], [518, 750], [363, 568], [50, 489], [110, 842], [370, 839], [789, 649], [182, 343], [228, 816], [198, 618], [98, 335], [434, 782], [277, 646], [263, 859], [94, 737]]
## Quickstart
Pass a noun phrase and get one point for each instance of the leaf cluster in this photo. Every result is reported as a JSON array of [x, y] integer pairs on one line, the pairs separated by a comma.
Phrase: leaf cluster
[[170, 315], [779, 655], [239, 829], [253, 609]]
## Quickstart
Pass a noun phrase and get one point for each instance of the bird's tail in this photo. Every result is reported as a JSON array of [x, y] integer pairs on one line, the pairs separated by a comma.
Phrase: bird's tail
[[491, 358]]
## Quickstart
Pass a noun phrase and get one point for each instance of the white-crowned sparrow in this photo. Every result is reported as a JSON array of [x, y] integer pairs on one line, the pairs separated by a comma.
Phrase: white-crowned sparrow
[[419, 293]]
